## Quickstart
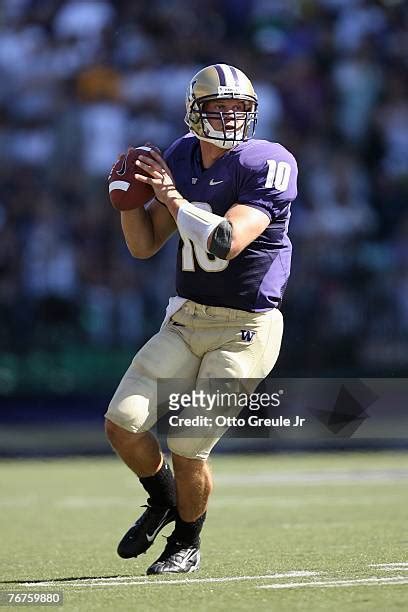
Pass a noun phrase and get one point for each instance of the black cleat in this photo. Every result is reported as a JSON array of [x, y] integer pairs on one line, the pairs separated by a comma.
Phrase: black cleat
[[143, 533], [177, 557]]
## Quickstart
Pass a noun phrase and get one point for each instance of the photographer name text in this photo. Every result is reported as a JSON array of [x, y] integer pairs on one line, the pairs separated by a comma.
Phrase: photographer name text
[[233, 421]]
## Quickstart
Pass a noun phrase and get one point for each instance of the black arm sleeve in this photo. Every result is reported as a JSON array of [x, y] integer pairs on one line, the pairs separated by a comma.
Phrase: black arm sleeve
[[221, 240]]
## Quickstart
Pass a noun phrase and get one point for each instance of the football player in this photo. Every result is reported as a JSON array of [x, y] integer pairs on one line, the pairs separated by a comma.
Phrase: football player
[[229, 197]]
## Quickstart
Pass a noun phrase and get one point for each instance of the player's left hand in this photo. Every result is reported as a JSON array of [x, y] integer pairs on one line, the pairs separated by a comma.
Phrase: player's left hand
[[160, 177]]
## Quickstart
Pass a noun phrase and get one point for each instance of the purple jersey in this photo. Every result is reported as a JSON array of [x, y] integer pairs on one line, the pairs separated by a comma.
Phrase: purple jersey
[[259, 174]]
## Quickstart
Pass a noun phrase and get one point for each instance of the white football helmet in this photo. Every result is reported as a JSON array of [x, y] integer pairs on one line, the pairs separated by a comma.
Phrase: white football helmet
[[216, 82]]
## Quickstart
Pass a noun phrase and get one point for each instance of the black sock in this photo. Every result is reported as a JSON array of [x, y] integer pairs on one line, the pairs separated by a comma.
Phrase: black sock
[[188, 533], [161, 487]]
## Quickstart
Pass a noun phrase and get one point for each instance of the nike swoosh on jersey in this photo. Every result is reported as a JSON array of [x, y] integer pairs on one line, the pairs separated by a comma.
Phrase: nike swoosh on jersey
[[150, 538], [212, 182]]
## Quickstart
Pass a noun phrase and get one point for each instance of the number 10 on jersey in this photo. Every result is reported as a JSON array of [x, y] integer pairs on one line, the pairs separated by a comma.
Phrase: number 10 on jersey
[[208, 263]]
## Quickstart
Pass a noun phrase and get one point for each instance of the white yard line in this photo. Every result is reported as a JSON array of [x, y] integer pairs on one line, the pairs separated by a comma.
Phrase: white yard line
[[394, 580], [398, 565], [358, 498], [310, 477], [396, 568], [127, 580], [222, 501], [81, 583]]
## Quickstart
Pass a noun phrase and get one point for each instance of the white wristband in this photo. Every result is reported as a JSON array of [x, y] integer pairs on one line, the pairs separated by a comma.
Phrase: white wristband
[[197, 224]]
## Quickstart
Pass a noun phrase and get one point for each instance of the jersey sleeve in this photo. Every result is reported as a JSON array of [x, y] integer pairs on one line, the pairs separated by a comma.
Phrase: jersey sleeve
[[268, 179]]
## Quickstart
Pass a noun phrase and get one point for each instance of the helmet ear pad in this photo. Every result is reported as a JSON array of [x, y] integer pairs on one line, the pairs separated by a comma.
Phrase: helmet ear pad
[[195, 114]]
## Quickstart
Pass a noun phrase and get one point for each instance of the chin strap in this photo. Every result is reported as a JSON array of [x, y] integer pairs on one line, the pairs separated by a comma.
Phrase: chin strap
[[219, 138], [223, 144]]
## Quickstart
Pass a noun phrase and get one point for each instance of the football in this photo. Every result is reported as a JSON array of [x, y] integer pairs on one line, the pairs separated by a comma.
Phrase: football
[[125, 192]]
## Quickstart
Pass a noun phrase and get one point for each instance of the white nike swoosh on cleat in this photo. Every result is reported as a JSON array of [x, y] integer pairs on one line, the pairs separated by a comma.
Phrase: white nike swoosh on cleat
[[212, 182], [187, 558], [150, 538]]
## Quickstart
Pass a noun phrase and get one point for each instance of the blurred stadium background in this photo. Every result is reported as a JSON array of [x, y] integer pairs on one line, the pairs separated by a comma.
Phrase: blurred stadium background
[[83, 79]]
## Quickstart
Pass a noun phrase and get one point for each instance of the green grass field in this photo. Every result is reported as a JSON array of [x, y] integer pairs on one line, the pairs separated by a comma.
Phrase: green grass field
[[285, 533]]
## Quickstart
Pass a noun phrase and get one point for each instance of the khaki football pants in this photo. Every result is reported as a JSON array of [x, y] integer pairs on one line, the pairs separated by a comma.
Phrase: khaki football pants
[[199, 342]]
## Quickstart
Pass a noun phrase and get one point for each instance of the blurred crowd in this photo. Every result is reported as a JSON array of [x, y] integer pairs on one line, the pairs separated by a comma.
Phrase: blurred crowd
[[83, 79]]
